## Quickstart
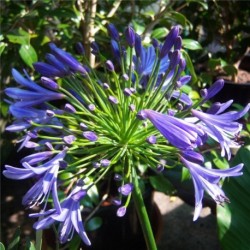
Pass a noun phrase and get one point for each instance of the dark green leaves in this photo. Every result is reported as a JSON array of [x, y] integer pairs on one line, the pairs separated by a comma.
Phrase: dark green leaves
[[162, 184], [233, 219]]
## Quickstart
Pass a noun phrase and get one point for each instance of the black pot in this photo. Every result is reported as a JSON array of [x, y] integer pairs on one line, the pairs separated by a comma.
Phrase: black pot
[[239, 92]]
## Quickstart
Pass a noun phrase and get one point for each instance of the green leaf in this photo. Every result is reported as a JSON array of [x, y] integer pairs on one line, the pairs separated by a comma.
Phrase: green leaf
[[162, 184], [28, 54], [15, 240], [2, 247], [213, 63], [2, 47], [159, 33], [230, 70], [179, 18], [190, 66], [203, 3], [93, 224], [18, 39], [191, 44], [233, 219], [29, 245]]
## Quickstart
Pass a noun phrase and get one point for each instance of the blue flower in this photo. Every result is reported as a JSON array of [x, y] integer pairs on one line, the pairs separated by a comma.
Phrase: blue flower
[[47, 174], [33, 96], [70, 218], [222, 126], [208, 180], [179, 133]]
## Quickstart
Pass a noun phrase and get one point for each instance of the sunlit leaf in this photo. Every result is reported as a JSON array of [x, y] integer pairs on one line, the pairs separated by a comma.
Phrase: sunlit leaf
[[28, 54], [191, 44]]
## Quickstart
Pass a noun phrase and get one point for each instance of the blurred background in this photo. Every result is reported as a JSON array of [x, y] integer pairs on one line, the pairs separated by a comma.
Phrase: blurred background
[[216, 44]]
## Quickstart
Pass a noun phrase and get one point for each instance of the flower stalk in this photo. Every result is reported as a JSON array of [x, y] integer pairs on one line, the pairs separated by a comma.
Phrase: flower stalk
[[142, 214]]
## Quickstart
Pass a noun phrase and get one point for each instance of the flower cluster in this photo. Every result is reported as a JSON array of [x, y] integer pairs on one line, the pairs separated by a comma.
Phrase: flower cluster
[[90, 124]]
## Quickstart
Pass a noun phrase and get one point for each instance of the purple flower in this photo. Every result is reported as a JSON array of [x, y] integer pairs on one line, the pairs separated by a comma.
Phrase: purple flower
[[169, 41], [213, 90], [110, 66], [115, 50], [126, 189], [113, 99], [208, 179], [222, 127], [113, 32], [91, 107], [130, 36], [80, 49], [33, 96], [105, 162], [69, 139], [70, 218], [69, 108], [138, 45], [91, 136], [182, 134], [121, 211], [51, 59], [95, 48], [47, 174], [68, 59], [47, 70], [151, 139], [48, 83]]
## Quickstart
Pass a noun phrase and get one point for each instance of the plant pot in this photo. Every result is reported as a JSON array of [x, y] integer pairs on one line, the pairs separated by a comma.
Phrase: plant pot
[[124, 233], [239, 92]]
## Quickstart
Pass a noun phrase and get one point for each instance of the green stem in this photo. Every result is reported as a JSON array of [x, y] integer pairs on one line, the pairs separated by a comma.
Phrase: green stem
[[142, 214]]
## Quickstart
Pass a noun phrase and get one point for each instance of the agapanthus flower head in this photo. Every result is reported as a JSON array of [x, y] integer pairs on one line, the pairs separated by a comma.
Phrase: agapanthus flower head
[[208, 180], [70, 218], [93, 127]]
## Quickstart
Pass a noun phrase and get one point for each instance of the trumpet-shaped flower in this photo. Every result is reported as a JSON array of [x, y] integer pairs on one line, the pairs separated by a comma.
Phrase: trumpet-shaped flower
[[222, 127], [179, 133], [208, 180], [70, 218], [47, 174]]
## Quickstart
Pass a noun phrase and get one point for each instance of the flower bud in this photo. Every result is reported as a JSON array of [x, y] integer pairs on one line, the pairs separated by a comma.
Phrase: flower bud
[[151, 139], [117, 177], [126, 189], [169, 41], [91, 107], [105, 162], [113, 32], [105, 86], [138, 45], [121, 211], [80, 49], [48, 83], [132, 107], [130, 36], [113, 100], [69, 139], [91, 136], [110, 66], [83, 126], [141, 115], [116, 201], [69, 108], [95, 48], [178, 43]]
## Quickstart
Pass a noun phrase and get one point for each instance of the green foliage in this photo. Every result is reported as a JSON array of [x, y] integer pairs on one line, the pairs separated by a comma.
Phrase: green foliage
[[233, 219], [162, 184], [93, 224]]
